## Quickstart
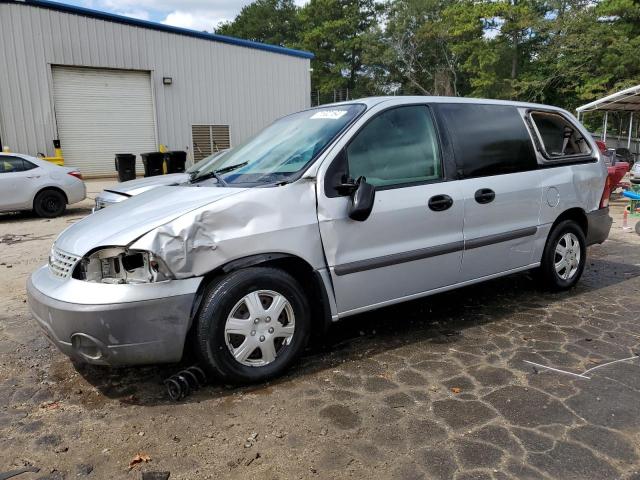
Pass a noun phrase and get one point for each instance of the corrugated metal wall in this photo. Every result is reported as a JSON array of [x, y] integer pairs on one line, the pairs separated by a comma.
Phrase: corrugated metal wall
[[213, 83]]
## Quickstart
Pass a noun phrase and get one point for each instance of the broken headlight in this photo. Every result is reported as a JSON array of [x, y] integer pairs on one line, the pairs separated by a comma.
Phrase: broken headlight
[[120, 265]]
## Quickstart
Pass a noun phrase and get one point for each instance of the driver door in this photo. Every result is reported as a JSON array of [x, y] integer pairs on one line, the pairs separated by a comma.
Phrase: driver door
[[412, 241]]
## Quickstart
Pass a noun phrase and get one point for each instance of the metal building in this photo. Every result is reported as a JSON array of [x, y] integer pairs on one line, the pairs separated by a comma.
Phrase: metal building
[[105, 84]]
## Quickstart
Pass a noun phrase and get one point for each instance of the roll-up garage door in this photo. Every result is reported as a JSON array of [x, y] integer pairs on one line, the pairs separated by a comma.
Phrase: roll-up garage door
[[101, 112]]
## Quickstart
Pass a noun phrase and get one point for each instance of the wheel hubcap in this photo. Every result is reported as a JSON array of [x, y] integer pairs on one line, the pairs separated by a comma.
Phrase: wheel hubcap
[[567, 257], [259, 327], [50, 204]]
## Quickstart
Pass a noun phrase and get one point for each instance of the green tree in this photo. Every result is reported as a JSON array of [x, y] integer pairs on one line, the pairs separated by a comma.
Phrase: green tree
[[562, 52], [589, 51], [337, 32], [269, 21]]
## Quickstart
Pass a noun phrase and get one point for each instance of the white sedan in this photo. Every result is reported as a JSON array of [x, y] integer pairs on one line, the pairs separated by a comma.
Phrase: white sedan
[[29, 183]]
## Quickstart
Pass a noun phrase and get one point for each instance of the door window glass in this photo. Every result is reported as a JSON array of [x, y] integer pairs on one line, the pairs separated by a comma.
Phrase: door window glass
[[488, 139], [559, 137], [397, 147], [11, 164]]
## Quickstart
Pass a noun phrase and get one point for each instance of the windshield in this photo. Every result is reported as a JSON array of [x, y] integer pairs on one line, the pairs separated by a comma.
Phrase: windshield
[[196, 167], [283, 149]]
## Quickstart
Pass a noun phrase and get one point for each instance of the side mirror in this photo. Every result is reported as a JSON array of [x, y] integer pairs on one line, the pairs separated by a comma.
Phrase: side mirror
[[361, 200]]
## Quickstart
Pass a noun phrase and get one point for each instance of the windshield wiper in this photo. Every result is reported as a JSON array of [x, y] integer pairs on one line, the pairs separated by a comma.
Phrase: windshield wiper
[[217, 174]]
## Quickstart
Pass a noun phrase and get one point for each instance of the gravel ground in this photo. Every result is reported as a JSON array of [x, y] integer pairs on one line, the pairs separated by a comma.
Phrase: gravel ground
[[434, 389]]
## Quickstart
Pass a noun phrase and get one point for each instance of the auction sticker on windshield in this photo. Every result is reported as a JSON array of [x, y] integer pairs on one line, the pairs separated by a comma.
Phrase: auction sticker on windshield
[[328, 114]]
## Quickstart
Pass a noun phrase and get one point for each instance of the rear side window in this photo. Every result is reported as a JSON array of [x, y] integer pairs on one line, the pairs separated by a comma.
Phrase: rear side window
[[14, 164], [398, 147], [488, 139], [558, 136]]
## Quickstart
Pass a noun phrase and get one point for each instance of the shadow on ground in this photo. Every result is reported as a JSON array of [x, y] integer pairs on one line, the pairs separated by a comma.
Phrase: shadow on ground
[[437, 319], [73, 213]]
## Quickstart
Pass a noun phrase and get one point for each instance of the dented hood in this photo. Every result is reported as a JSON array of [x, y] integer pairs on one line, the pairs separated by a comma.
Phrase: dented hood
[[124, 222]]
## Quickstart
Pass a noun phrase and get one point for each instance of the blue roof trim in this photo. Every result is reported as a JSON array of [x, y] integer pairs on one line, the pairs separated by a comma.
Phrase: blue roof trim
[[110, 17]]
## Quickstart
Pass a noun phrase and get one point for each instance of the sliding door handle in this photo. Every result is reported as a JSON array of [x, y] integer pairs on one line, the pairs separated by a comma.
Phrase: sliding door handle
[[439, 203], [485, 195]]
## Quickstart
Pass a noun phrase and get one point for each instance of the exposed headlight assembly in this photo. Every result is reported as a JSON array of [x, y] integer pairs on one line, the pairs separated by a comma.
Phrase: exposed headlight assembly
[[117, 265]]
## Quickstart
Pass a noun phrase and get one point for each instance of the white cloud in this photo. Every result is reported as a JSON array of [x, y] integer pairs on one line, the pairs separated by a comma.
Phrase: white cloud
[[197, 20], [193, 14], [139, 14]]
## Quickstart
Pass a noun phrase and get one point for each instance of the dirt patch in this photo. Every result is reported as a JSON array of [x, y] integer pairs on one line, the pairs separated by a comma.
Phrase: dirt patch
[[437, 388]]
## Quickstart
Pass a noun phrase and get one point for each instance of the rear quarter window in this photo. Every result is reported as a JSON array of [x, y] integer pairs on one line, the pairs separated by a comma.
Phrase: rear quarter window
[[559, 137], [27, 165], [488, 139]]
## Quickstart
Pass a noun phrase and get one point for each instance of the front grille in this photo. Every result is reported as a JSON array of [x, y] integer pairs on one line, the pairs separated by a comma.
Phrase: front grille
[[61, 263]]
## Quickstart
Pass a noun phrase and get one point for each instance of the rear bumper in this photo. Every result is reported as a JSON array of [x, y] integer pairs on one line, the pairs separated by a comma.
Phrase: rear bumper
[[142, 331], [598, 226], [76, 193]]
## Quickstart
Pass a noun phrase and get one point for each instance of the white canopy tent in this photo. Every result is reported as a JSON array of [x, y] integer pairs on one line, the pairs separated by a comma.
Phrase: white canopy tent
[[624, 101]]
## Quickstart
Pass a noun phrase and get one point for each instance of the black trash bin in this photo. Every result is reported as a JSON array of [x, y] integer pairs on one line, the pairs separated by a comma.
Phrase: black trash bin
[[126, 166], [176, 161], [152, 162]]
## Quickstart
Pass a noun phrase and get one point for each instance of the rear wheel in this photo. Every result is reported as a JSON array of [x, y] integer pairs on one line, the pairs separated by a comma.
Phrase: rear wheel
[[49, 203], [564, 256], [252, 326]]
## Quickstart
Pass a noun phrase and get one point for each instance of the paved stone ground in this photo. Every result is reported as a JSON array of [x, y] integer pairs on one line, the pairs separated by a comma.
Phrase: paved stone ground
[[432, 389]]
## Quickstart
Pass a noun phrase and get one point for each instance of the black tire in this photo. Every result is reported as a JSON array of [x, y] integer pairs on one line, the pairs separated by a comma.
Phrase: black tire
[[219, 300], [49, 203], [547, 274]]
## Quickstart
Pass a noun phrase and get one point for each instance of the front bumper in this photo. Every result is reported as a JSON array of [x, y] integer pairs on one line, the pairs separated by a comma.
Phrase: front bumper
[[598, 225], [113, 324]]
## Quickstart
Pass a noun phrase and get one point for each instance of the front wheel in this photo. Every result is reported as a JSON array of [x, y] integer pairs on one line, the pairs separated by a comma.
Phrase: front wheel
[[252, 326], [564, 256]]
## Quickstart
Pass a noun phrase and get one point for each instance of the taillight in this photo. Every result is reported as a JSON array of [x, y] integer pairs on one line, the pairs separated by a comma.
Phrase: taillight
[[76, 174], [604, 201]]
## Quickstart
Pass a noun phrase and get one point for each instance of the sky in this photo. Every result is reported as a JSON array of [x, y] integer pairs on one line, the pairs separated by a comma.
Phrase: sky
[[194, 14]]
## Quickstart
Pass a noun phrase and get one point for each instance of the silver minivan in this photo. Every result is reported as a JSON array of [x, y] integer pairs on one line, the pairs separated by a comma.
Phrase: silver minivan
[[326, 213]]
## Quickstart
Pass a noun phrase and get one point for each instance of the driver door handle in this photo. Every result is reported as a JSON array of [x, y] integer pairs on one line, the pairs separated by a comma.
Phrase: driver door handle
[[439, 203], [485, 195]]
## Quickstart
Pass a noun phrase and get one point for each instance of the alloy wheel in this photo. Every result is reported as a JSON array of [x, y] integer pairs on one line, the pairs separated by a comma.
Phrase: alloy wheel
[[567, 256]]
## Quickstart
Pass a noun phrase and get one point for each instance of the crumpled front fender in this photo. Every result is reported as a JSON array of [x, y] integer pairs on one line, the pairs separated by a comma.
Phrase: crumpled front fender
[[260, 220]]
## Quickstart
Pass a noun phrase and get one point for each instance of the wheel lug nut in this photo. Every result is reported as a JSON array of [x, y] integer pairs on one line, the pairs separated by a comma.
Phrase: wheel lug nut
[[268, 319], [262, 338], [257, 320], [271, 330]]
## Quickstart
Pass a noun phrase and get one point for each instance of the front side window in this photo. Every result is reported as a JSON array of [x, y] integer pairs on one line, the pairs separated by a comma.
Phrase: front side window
[[558, 136], [488, 139], [397, 147], [283, 149]]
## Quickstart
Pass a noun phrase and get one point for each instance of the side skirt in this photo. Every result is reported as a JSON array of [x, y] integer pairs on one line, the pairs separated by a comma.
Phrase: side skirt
[[432, 292]]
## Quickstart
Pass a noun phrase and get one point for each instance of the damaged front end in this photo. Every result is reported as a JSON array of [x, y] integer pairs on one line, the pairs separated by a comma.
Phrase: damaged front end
[[121, 265]]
